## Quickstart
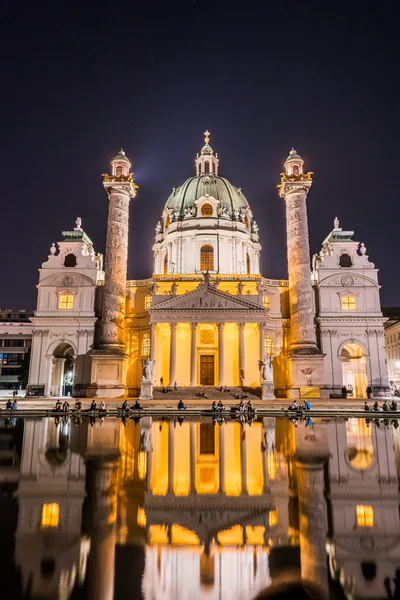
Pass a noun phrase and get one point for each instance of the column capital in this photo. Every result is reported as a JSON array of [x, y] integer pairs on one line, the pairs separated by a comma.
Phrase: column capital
[[193, 325], [221, 326], [240, 325], [173, 325]]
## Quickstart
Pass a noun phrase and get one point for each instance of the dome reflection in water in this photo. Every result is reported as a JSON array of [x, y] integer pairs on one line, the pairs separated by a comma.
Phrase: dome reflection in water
[[176, 510]]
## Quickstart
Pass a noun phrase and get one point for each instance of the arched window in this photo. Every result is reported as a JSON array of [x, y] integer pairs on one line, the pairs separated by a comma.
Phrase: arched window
[[206, 167], [206, 210], [207, 258], [147, 301], [70, 261], [295, 169], [146, 345], [50, 515], [213, 168], [345, 261], [268, 345], [166, 263], [248, 268], [246, 220], [167, 221], [119, 171]]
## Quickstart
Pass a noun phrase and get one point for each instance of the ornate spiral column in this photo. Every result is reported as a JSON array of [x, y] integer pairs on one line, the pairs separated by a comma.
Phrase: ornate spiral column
[[294, 188], [120, 189], [108, 361]]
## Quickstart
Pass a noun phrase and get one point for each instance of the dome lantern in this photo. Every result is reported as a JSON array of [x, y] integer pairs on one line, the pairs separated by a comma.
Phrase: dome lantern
[[207, 162]]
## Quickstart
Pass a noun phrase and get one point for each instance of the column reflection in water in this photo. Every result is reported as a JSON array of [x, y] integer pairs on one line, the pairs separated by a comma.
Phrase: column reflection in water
[[206, 510]]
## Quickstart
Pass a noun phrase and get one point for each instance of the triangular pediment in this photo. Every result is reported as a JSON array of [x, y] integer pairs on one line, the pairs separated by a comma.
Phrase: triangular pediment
[[206, 297]]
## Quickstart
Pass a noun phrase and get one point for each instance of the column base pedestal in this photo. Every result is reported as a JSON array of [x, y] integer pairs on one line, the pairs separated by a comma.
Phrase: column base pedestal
[[108, 375], [146, 390], [267, 389], [305, 371]]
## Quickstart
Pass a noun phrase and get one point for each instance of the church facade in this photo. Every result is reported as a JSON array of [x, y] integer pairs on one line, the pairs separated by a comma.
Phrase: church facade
[[207, 316]]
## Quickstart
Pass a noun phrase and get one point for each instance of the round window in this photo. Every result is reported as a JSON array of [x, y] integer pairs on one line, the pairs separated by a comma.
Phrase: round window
[[206, 210]]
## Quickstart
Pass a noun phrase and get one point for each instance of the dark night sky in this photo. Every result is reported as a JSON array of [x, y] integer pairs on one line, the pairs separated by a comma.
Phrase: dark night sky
[[81, 79]]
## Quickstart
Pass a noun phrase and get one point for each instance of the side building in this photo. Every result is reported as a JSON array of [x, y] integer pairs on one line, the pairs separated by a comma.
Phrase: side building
[[15, 341]]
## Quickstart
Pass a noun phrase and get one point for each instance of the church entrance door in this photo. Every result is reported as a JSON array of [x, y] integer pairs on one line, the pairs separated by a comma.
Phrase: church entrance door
[[206, 369]]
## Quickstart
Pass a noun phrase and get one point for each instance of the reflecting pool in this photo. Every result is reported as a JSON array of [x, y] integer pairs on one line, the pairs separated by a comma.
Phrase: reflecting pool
[[194, 509]]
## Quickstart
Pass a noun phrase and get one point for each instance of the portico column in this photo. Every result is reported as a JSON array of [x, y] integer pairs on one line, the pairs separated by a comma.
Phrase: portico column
[[241, 352], [221, 373], [243, 461], [171, 457], [152, 341], [222, 458], [192, 458], [149, 469], [262, 340], [172, 368], [193, 357]]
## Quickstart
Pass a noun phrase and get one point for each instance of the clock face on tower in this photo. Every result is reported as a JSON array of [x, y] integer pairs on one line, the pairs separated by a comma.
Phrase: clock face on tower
[[347, 280]]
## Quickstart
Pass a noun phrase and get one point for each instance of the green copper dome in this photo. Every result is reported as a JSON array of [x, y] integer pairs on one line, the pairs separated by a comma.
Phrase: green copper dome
[[184, 197]]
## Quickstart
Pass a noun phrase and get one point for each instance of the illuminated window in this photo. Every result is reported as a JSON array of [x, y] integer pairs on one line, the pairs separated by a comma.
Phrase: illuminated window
[[167, 221], [50, 515], [206, 210], [66, 301], [207, 258], [119, 171], [146, 345], [268, 345], [349, 302], [365, 515], [267, 302], [147, 301], [141, 517], [273, 517], [295, 169], [248, 268], [345, 261], [272, 465], [166, 264]]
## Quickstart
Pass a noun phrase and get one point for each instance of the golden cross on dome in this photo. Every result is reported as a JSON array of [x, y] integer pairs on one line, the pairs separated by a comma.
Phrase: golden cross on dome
[[207, 136]]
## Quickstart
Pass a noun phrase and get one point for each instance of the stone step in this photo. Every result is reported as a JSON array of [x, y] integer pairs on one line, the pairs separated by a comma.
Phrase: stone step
[[213, 393]]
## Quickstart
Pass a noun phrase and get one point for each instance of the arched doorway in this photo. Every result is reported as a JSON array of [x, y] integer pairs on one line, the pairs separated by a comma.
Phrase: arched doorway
[[62, 373], [354, 370]]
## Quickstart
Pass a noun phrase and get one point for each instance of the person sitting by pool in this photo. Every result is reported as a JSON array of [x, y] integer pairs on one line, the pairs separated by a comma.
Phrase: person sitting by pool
[[249, 406], [213, 406], [237, 397], [58, 406], [294, 406], [393, 405], [137, 405], [204, 395], [385, 406], [125, 405], [366, 406], [226, 389], [65, 406], [102, 406], [93, 406], [376, 406], [241, 406], [220, 406], [307, 405], [14, 405], [181, 406], [9, 404]]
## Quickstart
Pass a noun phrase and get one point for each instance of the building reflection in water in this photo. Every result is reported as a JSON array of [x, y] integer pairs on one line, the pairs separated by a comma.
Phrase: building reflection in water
[[219, 510]]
